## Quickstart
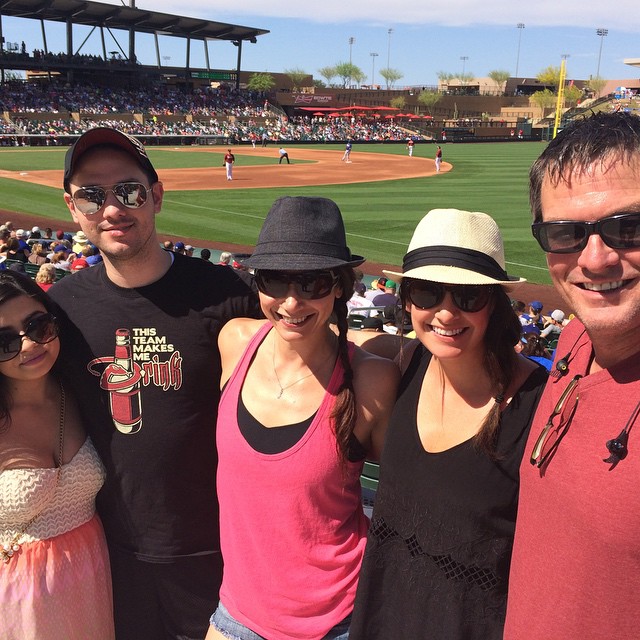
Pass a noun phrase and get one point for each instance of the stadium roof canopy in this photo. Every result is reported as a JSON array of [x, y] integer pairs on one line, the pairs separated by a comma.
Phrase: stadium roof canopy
[[125, 17]]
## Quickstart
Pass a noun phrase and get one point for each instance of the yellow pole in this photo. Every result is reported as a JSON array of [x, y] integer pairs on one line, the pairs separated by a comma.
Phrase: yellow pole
[[560, 101]]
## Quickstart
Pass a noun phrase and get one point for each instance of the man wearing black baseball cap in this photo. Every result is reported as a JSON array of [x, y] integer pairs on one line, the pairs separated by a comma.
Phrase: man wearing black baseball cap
[[146, 323]]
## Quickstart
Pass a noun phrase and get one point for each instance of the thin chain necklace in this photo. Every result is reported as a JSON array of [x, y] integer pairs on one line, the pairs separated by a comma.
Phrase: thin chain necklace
[[288, 386], [7, 551]]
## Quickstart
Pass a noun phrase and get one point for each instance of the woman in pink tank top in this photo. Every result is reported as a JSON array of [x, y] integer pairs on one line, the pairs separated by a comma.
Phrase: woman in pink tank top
[[300, 411]]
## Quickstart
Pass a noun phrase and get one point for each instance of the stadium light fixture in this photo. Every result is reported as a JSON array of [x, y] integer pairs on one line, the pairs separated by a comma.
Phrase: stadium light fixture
[[520, 27], [602, 34]]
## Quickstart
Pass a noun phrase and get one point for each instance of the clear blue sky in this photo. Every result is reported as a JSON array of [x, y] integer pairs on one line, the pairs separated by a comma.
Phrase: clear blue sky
[[427, 37]]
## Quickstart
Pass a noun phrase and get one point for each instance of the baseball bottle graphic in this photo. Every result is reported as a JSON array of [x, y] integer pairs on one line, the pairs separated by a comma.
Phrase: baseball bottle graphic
[[123, 383]]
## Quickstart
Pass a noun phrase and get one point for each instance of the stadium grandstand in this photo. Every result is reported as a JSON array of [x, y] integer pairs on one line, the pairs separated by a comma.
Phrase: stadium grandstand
[[66, 93]]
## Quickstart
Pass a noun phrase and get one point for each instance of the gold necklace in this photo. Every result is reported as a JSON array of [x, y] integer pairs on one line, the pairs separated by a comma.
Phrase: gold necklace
[[288, 386], [7, 551]]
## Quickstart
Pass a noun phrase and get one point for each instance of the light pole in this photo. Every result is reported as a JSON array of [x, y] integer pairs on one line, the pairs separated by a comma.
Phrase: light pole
[[520, 27], [351, 41], [373, 67], [464, 62], [602, 33], [389, 32]]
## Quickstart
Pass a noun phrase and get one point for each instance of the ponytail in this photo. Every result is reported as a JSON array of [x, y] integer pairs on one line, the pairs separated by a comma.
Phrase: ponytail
[[345, 413]]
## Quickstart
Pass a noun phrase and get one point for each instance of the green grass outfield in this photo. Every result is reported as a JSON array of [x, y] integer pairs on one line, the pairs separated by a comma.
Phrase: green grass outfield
[[379, 216]]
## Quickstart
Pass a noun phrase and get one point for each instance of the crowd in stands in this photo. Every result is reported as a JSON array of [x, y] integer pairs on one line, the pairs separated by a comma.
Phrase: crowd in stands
[[238, 116], [163, 100], [59, 252], [540, 333]]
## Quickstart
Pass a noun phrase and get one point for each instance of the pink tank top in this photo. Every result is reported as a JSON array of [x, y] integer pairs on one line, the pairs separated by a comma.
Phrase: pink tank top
[[292, 528]]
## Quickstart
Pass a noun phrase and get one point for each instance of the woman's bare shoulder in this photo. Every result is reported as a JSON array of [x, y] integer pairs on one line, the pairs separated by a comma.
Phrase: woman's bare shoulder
[[373, 371]]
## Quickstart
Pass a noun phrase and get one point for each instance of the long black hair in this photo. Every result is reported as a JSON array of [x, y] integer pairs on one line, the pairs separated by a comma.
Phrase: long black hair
[[12, 285]]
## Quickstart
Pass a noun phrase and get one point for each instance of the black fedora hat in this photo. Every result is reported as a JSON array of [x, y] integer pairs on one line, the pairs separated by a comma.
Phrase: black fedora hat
[[300, 234]]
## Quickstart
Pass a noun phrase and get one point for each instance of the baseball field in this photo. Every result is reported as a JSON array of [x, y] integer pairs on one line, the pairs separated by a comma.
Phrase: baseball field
[[382, 194]]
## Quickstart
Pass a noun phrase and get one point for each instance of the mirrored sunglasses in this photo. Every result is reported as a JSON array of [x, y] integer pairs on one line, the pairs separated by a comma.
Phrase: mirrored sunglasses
[[621, 231], [309, 285], [90, 200], [41, 329], [469, 298]]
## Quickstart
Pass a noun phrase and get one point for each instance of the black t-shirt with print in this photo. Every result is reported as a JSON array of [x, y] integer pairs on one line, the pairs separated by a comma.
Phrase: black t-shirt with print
[[147, 364]]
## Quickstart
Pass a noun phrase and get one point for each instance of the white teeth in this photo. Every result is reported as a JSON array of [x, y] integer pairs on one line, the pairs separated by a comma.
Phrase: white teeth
[[442, 332], [602, 286], [294, 320]]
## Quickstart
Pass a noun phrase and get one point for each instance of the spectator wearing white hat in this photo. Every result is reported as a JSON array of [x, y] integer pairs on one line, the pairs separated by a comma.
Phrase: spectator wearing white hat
[[437, 558], [21, 237], [554, 327], [79, 242]]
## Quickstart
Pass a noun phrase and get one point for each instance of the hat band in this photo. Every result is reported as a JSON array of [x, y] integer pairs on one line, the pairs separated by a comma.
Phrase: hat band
[[445, 256], [279, 247]]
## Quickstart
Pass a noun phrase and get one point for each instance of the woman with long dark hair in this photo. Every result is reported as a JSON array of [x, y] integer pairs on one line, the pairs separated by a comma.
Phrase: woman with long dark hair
[[55, 580], [300, 410], [439, 546]]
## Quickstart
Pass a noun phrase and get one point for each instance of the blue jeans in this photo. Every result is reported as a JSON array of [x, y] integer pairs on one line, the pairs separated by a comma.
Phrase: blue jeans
[[234, 630]]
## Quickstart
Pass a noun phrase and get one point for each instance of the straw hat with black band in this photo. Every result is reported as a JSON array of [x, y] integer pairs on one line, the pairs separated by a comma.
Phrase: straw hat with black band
[[456, 247]]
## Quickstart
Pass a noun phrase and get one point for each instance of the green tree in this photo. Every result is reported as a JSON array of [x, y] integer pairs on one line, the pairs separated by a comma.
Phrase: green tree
[[572, 94], [429, 99], [261, 82], [358, 76], [596, 85], [500, 77], [297, 77], [465, 78], [550, 76], [398, 102], [319, 84], [391, 76], [328, 73], [544, 99], [445, 77], [349, 72]]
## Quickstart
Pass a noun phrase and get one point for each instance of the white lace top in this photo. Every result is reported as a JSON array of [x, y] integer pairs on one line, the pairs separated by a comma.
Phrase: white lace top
[[62, 506]]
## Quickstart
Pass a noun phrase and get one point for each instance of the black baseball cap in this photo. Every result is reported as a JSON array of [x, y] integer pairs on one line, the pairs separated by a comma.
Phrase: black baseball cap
[[106, 135]]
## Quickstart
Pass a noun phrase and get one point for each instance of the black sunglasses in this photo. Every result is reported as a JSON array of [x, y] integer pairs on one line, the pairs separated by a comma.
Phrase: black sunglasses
[[552, 434], [621, 231], [309, 285], [89, 200], [469, 298], [41, 329]]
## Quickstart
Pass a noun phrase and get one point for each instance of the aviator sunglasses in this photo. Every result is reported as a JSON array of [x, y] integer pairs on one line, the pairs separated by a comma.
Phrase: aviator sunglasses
[[309, 285], [90, 200], [41, 329], [469, 298], [621, 231]]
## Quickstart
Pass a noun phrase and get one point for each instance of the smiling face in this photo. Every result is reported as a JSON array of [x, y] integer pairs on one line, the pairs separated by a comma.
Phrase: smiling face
[[34, 360], [121, 233], [600, 284], [293, 316], [447, 332]]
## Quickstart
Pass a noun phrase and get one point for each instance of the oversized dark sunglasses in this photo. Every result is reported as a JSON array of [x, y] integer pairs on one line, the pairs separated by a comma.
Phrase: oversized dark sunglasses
[[469, 298], [41, 329], [621, 231], [89, 200], [309, 285]]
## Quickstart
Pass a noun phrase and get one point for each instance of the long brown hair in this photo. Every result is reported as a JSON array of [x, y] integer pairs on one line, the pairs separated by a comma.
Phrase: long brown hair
[[500, 360], [345, 413]]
